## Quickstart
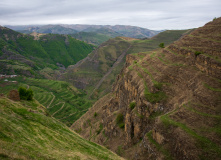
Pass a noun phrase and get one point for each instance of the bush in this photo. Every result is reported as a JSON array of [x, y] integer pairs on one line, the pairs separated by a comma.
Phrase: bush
[[161, 45], [155, 97], [25, 94], [120, 120], [95, 114], [132, 105], [198, 53], [158, 85]]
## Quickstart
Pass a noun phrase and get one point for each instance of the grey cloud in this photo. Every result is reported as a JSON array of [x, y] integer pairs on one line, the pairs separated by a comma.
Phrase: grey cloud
[[173, 14]]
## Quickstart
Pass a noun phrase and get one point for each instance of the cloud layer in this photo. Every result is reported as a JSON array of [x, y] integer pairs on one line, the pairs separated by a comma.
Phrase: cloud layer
[[152, 14]]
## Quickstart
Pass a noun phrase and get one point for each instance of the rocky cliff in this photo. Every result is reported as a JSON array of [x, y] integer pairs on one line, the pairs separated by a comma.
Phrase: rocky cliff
[[164, 104]]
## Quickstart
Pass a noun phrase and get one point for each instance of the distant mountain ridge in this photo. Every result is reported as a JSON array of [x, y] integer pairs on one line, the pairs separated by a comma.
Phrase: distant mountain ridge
[[125, 30]]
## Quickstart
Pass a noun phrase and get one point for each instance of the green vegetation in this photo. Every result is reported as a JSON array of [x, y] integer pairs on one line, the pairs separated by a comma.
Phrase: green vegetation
[[92, 37], [167, 37], [95, 114], [27, 133], [161, 45], [132, 105], [120, 120], [154, 97], [198, 53], [50, 51], [25, 94], [63, 101]]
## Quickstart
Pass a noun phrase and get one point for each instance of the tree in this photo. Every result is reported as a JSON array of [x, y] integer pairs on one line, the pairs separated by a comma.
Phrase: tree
[[161, 45], [29, 94], [25, 94]]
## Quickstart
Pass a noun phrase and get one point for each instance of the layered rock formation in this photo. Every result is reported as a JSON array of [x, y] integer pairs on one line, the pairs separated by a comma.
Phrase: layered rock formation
[[164, 104]]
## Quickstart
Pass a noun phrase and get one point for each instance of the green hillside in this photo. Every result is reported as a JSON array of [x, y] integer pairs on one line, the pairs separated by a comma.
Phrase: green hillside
[[89, 73], [27, 55], [61, 99], [91, 37], [96, 36], [27, 133], [166, 37]]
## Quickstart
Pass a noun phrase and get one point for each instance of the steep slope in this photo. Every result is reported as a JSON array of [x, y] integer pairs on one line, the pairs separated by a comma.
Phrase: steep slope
[[62, 100], [96, 36], [134, 32], [27, 133], [91, 37], [28, 55], [165, 104], [97, 72]]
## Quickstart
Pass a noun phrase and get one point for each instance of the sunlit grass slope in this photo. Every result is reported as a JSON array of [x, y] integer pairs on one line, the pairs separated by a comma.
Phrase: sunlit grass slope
[[27, 133]]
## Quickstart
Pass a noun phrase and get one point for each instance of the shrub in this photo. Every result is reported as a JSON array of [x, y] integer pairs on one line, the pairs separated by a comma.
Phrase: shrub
[[95, 114], [198, 53], [155, 97], [120, 120], [161, 45], [132, 105], [25, 94], [158, 85]]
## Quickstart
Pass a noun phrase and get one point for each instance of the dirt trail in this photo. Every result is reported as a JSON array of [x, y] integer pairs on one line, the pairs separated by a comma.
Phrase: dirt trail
[[58, 109], [120, 58], [51, 100]]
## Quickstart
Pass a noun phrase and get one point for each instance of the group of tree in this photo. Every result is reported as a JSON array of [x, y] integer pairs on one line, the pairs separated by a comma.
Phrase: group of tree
[[25, 94]]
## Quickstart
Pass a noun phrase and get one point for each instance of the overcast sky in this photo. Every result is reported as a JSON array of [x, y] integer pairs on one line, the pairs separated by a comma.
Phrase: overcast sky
[[152, 14]]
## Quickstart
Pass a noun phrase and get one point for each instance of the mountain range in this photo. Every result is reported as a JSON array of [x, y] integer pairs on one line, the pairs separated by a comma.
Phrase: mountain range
[[94, 34], [142, 98]]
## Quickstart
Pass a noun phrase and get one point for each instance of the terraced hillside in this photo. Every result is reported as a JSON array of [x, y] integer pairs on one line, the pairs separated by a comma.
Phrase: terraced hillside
[[28, 55], [96, 36], [27, 133], [97, 72], [165, 104], [62, 101]]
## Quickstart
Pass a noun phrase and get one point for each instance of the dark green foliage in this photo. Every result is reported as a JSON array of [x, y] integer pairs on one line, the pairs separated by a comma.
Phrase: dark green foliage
[[161, 45], [25, 94], [120, 120], [198, 53], [29, 94], [132, 105], [95, 114]]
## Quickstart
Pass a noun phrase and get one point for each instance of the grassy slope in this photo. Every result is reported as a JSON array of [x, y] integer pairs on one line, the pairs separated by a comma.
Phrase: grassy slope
[[166, 37], [63, 101], [33, 55], [107, 53], [26, 133], [91, 37]]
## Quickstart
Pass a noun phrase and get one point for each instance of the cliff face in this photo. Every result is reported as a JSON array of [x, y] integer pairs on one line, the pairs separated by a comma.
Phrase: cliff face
[[164, 104]]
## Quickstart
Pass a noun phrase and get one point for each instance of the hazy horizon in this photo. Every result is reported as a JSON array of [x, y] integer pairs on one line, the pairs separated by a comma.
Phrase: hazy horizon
[[151, 14]]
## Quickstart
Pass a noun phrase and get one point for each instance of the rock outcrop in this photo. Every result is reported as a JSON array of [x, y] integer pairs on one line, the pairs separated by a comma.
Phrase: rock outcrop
[[14, 95], [164, 105]]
